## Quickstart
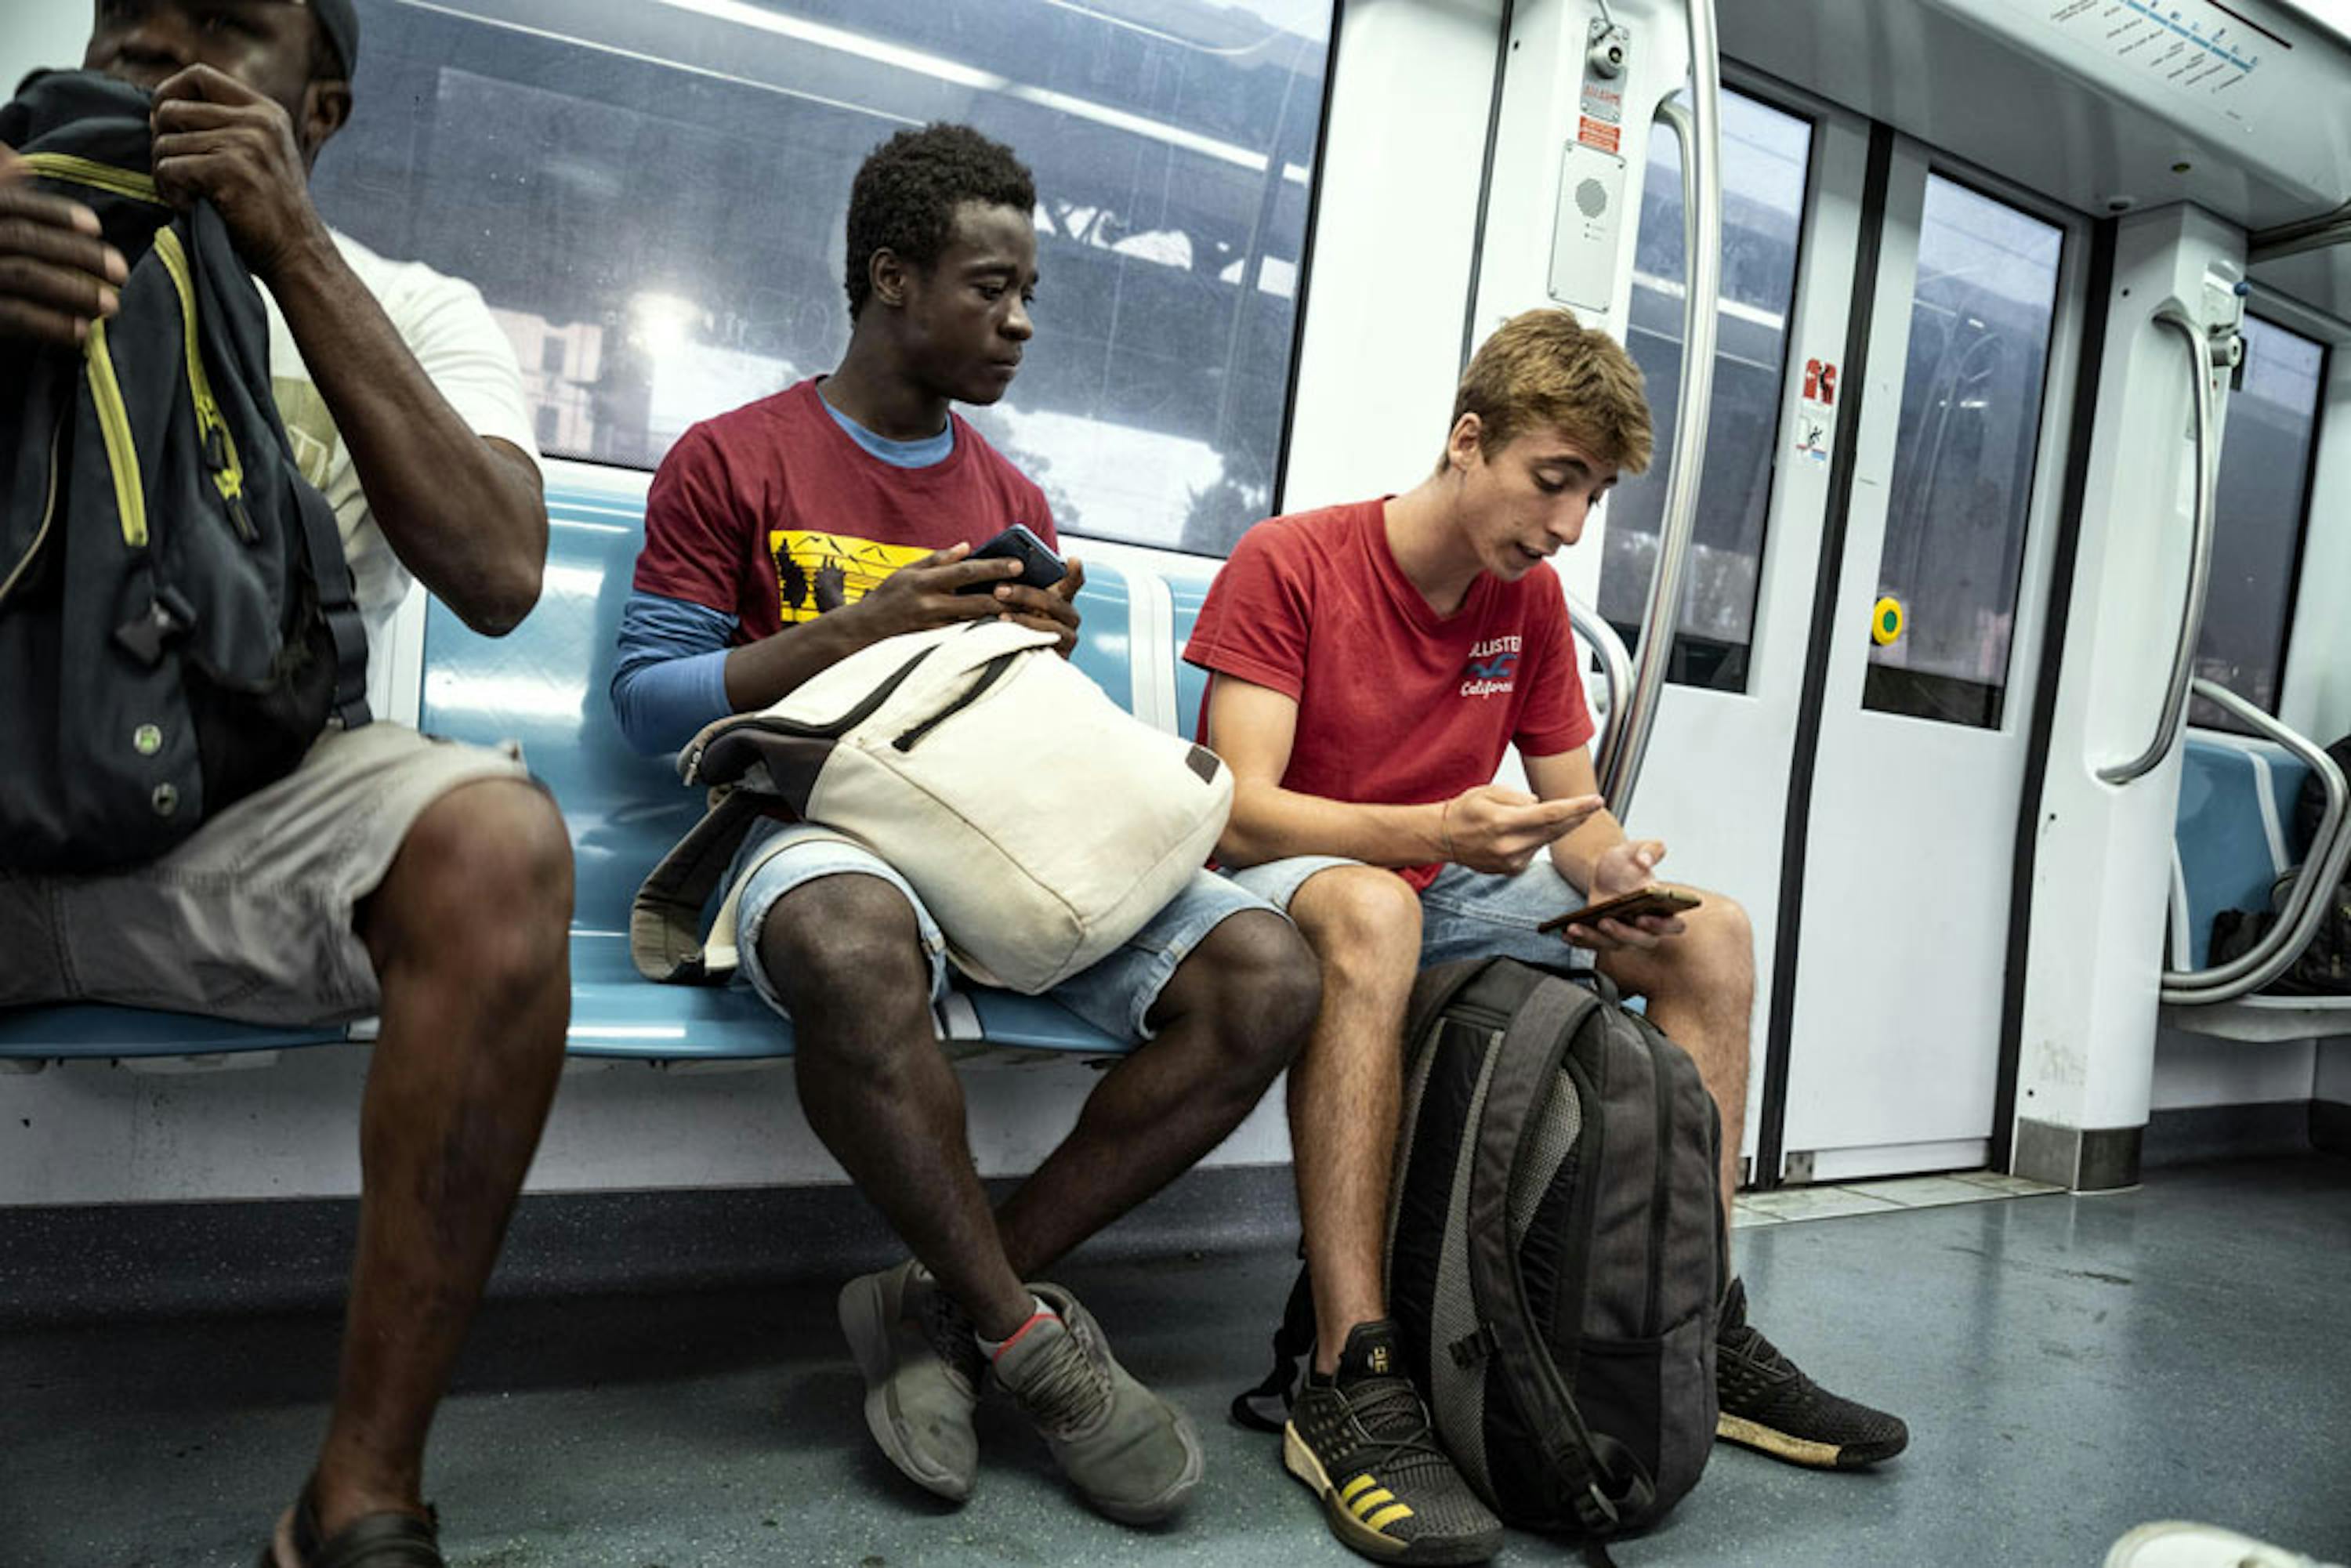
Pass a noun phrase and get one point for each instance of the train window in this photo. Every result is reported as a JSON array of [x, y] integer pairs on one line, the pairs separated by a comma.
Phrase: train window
[[2262, 500], [650, 193], [1980, 319], [1766, 154]]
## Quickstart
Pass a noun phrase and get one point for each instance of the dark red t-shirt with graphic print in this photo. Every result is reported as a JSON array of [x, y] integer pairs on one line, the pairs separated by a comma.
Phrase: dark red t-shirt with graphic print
[[774, 514], [1396, 705]]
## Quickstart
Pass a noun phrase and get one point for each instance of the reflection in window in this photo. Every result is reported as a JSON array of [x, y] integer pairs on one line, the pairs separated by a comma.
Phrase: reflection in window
[[2265, 450], [1980, 317], [1764, 156], [650, 196]]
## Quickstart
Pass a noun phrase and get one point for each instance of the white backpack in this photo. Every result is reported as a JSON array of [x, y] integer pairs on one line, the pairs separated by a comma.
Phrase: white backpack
[[1040, 823]]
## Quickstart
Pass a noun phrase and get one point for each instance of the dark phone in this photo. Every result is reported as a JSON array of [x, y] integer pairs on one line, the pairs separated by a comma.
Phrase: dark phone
[[1040, 567], [1663, 901]]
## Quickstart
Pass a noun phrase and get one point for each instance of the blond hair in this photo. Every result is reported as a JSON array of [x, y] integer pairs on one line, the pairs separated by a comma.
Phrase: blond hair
[[1545, 369]]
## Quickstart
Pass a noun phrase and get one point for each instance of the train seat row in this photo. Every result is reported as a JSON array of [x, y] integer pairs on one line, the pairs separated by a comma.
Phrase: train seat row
[[544, 685]]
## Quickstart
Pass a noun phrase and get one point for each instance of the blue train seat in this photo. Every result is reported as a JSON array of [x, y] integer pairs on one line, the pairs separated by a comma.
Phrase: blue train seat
[[2233, 836], [1188, 589]]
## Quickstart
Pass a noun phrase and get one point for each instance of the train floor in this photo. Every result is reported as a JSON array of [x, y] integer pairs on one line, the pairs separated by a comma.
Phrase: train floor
[[2069, 1368]]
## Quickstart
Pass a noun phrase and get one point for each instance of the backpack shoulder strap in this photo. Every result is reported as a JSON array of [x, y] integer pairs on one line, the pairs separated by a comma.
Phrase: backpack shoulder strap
[[1606, 1482], [665, 917], [1265, 1407], [208, 247]]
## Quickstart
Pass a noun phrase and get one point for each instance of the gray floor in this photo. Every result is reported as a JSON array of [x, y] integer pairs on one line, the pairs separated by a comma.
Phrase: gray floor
[[2069, 1368]]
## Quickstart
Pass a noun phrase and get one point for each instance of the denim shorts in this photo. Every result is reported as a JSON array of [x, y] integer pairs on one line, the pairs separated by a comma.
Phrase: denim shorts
[[1464, 914], [1115, 995]]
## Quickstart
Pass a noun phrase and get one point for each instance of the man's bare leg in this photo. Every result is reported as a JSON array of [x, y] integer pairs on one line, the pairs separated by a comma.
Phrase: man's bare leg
[[469, 935], [1701, 987], [1227, 1023], [1346, 1088], [846, 955]]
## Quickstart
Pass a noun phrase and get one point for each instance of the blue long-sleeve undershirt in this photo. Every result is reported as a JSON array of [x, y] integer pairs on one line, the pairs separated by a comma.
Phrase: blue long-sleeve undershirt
[[671, 677]]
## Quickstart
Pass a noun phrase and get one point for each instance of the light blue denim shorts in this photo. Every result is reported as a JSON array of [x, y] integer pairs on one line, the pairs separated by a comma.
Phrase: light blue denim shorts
[[1464, 914], [1115, 995]]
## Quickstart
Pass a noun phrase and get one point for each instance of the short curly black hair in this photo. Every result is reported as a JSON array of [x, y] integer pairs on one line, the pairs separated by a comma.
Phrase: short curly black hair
[[905, 194]]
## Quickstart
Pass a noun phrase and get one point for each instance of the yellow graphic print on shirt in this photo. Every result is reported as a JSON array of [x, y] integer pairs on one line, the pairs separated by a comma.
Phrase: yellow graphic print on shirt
[[816, 572]]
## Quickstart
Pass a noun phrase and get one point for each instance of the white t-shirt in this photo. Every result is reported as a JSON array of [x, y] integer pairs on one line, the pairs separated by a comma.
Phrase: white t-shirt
[[470, 362]]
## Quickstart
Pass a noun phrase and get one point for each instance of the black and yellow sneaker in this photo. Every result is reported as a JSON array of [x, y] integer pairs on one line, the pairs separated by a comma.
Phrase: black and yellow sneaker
[[1362, 1441], [1768, 1406]]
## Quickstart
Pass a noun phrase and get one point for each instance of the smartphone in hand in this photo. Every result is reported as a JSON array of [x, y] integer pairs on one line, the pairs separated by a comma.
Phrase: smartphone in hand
[[1040, 567], [1666, 902]]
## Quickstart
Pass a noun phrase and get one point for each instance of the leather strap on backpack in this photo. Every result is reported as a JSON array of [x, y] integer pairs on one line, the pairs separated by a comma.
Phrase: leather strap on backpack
[[1608, 1488]]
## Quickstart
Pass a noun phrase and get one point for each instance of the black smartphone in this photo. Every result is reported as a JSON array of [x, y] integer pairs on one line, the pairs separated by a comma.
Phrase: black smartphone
[[1040, 567], [1664, 901]]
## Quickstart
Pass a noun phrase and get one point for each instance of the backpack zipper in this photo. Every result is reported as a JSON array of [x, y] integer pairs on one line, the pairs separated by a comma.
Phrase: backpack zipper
[[98, 176], [220, 448], [49, 511], [114, 423], [992, 672]]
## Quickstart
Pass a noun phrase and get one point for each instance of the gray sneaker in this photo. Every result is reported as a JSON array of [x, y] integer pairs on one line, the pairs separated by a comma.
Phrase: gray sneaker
[[921, 1373], [1129, 1453]]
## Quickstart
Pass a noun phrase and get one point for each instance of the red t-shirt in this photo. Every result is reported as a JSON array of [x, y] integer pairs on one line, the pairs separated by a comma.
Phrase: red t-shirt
[[1396, 705], [774, 514]]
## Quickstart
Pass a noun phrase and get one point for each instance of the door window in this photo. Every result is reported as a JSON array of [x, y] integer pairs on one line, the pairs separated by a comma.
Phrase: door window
[[1981, 321], [1766, 154]]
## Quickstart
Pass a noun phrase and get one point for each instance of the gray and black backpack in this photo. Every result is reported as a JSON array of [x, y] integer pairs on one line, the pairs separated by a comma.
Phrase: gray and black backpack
[[1555, 1255], [176, 619]]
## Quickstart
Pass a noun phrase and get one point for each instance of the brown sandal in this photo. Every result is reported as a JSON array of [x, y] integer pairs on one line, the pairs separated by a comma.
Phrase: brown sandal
[[371, 1540]]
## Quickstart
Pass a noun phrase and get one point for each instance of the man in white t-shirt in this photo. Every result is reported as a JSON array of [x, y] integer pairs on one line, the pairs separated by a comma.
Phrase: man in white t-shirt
[[391, 874]]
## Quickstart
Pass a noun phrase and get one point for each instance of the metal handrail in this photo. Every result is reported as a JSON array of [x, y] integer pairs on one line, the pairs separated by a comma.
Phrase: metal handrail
[[2200, 559], [2306, 905], [1615, 666], [1701, 138]]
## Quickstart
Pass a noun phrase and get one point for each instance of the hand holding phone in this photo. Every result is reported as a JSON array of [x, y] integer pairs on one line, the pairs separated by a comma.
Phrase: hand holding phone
[[1040, 567], [1663, 903]]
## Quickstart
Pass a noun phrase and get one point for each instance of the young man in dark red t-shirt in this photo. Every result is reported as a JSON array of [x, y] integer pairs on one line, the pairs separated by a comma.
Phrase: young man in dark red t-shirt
[[781, 537], [1371, 664]]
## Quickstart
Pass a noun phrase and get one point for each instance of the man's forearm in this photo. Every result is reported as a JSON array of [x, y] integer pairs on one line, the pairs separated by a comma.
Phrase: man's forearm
[[1272, 823], [466, 518], [763, 673]]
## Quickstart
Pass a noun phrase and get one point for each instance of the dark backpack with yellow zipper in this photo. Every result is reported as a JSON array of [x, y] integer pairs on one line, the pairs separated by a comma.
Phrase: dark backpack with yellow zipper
[[176, 619]]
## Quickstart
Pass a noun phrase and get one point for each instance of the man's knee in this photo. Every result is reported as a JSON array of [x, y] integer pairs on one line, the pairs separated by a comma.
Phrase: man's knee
[[844, 949], [1256, 983], [1722, 942], [480, 891], [1364, 921]]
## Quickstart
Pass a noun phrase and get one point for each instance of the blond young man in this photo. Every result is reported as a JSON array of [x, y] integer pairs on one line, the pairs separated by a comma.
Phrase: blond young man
[[1370, 665]]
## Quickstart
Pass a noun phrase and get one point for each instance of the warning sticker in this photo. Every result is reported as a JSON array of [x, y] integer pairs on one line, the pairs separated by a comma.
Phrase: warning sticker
[[1816, 412], [1593, 133]]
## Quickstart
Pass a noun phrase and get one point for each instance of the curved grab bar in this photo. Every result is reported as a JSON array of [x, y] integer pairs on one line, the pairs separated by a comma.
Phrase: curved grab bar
[[1615, 666], [2307, 905], [2199, 561], [1701, 138]]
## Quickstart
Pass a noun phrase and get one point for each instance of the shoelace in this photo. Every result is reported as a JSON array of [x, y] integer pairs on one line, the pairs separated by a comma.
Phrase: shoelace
[[1389, 1410], [1750, 1343], [1064, 1392], [950, 1333]]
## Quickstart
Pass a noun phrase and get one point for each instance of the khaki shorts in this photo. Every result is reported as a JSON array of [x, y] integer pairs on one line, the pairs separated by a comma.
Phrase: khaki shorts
[[251, 918]]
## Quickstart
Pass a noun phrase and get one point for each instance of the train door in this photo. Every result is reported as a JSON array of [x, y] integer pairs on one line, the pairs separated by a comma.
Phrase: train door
[[1925, 653], [1842, 741]]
